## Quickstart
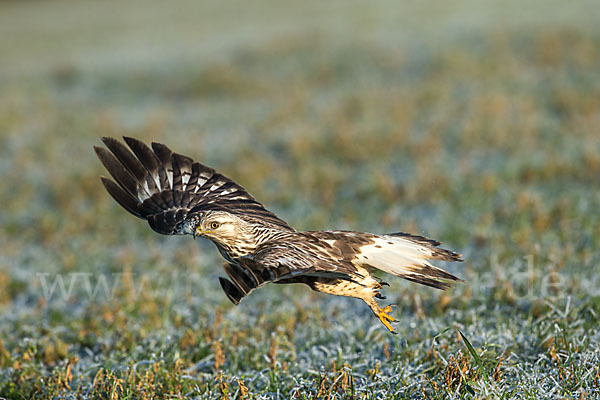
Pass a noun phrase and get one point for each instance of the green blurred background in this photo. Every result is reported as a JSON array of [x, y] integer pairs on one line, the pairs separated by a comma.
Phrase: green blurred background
[[475, 123]]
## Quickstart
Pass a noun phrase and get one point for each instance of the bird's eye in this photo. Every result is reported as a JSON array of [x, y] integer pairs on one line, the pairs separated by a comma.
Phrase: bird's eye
[[214, 225]]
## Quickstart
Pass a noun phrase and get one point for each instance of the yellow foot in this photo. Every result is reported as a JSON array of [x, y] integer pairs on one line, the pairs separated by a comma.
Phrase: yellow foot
[[385, 317]]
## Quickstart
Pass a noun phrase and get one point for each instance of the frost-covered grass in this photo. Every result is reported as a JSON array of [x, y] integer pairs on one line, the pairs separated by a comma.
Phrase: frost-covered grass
[[478, 128]]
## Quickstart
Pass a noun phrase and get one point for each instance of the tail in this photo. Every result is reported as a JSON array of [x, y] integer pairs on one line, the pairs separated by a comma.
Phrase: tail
[[407, 256]]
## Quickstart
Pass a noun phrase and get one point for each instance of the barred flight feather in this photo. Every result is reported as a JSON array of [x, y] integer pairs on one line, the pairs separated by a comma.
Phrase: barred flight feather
[[165, 187]]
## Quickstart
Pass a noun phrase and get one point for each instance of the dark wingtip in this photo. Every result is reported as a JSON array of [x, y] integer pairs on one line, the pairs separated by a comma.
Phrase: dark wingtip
[[232, 292], [131, 141], [162, 151], [105, 181], [107, 139], [157, 145], [121, 197]]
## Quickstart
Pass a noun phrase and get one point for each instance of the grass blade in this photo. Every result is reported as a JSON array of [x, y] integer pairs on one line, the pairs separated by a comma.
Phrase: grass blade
[[474, 354]]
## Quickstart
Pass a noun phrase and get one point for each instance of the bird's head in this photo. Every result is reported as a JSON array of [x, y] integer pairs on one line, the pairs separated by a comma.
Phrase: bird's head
[[222, 227]]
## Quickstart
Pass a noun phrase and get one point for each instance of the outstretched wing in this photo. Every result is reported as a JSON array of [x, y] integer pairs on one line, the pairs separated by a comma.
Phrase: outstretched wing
[[165, 187], [296, 259]]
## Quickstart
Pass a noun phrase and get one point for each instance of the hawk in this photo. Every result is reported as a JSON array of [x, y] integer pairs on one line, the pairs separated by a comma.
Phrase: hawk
[[180, 196]]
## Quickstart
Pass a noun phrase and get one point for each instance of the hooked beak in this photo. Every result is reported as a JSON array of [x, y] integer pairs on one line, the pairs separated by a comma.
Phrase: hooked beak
[[199, 232]]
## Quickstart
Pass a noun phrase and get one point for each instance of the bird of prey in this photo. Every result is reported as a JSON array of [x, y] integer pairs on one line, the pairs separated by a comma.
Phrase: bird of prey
[[179, 196]]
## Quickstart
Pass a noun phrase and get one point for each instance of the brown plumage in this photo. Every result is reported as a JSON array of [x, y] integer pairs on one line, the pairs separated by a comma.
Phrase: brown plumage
[[178, 196]]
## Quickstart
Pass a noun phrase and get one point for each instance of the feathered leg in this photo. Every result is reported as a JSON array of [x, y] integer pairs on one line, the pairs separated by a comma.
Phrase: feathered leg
[[367, 289]]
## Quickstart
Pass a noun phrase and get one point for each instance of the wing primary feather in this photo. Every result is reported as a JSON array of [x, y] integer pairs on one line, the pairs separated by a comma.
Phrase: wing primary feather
[[149, 160], [162, 152], [132, 164], [122, 197], [182, 171], [177, 179], [240, 279], [193, 181], [118, 172], [124, 155], [165, 155], [233, 292]]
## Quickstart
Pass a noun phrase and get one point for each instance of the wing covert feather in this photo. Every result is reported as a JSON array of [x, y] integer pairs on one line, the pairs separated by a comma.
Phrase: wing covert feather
[[284, 261]]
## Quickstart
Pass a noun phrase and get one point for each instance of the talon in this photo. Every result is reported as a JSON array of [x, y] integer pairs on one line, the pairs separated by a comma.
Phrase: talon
[[381, 282], [387, 325], [385, 318], [387, 309]]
